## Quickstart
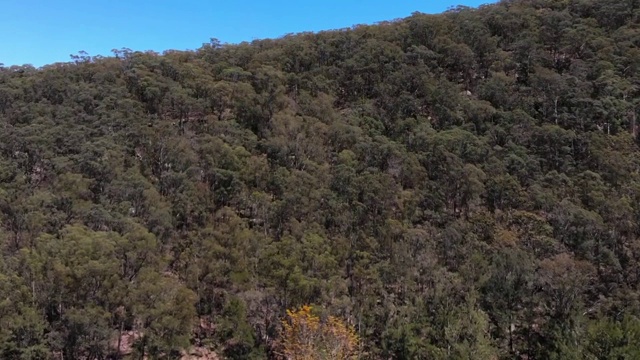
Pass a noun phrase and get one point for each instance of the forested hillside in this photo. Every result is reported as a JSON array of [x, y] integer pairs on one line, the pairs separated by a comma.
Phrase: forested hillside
[[453, 186]]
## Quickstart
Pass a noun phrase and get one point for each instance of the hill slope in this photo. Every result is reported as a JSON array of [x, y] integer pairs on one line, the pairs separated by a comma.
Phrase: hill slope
[[462, 185]]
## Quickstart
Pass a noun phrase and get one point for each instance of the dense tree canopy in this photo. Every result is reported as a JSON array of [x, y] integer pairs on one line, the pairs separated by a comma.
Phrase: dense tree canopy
[[452, 186]]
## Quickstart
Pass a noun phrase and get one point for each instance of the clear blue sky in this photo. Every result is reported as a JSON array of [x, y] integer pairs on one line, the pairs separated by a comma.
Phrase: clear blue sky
[[40, 32]]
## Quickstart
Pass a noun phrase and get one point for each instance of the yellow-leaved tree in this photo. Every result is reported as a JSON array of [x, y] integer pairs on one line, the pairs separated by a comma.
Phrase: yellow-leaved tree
[[305, 337]]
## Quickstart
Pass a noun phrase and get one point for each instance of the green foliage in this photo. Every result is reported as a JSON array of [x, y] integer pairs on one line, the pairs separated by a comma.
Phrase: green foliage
[[462, 185]]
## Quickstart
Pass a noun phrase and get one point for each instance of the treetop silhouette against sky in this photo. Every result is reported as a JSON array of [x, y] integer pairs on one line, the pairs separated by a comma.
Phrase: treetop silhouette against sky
[[39, 32]]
